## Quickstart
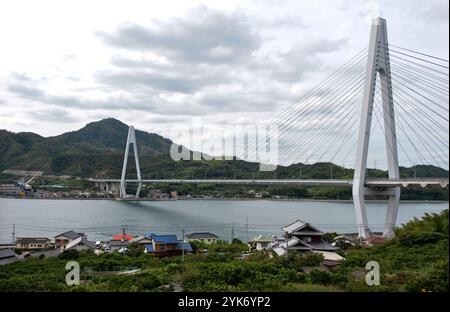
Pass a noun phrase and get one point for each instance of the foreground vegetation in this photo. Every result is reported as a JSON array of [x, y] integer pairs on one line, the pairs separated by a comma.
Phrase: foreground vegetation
[[416, 260]]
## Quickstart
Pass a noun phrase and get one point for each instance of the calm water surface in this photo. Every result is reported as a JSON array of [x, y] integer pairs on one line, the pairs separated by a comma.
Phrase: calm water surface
[[102, 218]]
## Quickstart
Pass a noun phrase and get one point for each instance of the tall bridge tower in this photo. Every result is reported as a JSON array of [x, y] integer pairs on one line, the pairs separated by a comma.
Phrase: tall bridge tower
[[131, 139], [377, 64]]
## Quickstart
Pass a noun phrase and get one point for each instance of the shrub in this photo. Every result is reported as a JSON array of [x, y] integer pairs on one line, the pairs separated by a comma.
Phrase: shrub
[[320, 277], [71, 254], [423, 238]]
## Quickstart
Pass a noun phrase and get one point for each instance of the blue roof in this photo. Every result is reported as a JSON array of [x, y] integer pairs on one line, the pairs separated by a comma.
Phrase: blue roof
[[149, 247], [185, 246], [166, 239]]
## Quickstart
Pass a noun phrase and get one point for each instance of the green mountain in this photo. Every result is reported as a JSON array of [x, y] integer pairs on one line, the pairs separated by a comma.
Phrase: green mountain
[[97, 150]]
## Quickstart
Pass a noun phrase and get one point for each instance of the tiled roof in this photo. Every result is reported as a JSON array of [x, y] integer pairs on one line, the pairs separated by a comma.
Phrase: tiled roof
[[118, 243], [71, 234], [165, 239], [322, 246], [32, 240], [184, 245], [199, 235], [7, 253], [298, 225], [121, 236], [80, 240]]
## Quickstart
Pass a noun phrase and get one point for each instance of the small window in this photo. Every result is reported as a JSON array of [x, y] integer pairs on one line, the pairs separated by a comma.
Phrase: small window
[[307, 239]]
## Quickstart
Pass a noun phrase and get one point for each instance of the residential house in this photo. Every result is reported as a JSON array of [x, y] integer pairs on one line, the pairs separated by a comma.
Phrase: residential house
[[166, 245], [302, 236], [80, 243], [141, 240], [119, 242], [174, 195], [203, 237], [7, 256], [117, 245], [261, 243], [32, 243], [122, 236], [64, 238]]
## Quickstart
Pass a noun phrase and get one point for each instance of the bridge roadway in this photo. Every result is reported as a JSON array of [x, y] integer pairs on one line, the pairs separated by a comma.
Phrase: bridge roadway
[[372, 183]]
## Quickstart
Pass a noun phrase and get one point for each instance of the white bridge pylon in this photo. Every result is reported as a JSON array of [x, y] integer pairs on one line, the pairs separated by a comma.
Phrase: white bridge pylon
[[377, 63], [131, 139]]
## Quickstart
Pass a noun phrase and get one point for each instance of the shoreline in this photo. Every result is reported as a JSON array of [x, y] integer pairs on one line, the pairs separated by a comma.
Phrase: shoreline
[[228, 199]]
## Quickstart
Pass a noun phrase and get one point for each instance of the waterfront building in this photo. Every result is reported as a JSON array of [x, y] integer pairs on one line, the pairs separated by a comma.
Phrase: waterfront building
[[261, 243], [141, 240], [166, 245], [80, 243], [203, 237], [32, 243], [301, 236], [64, 238]]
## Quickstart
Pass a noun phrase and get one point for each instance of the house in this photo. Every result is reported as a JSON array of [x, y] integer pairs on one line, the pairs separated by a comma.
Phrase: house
[[117, 245], [32, 243], [141, 240], [122, 236], [64, 238], [80, 243], [302, 236], [330, 259], [7, 256], [375, 240], [37, 254], [166, 245], [203, 237], [261, 243]]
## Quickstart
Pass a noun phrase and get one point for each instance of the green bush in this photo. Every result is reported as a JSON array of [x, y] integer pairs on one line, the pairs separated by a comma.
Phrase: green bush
[[71, 254]]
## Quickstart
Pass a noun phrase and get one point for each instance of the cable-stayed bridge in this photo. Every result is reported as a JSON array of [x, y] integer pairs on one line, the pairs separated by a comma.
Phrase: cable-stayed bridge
[[386, 94]]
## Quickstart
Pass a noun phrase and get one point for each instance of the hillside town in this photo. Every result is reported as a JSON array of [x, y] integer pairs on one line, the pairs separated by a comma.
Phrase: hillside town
[[298, 237]]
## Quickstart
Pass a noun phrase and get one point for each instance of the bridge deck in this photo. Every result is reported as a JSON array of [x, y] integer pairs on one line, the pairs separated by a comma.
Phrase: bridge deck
[[307, 182]]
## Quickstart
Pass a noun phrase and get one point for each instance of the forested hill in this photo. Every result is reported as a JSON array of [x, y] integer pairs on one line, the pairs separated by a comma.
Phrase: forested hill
[[97, 150]]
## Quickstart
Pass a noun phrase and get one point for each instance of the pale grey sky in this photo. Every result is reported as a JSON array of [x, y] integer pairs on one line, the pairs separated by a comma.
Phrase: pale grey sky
[[157, 64]]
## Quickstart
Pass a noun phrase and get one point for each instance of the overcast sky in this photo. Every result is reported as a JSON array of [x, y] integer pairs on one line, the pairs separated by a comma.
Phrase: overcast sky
[[157, 64]]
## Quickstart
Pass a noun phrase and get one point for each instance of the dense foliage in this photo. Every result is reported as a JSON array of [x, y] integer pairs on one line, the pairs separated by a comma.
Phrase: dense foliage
[[416, 260]]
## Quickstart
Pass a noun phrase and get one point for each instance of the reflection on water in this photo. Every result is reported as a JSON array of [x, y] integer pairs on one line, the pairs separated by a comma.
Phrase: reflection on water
[[101, 218]]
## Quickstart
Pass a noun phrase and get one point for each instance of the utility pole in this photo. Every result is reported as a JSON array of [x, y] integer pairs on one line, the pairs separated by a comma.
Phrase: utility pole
[[182, 246], [14, 236], [286, 235], [232, 232], [246, 228], [123, 234]]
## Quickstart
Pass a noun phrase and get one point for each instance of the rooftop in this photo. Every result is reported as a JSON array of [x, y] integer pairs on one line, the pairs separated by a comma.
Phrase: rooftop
[[71, 234], [299, 225], [165, 239], [80, 240], [32, 240], [199, 235], [123, 236], [7, 253]]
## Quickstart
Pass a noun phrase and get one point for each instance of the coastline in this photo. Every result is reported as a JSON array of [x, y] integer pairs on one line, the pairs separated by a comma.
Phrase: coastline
[[227, 199]]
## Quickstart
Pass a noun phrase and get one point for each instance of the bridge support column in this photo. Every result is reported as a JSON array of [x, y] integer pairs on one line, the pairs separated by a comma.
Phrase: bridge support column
[[131, 139], [377, 63]]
